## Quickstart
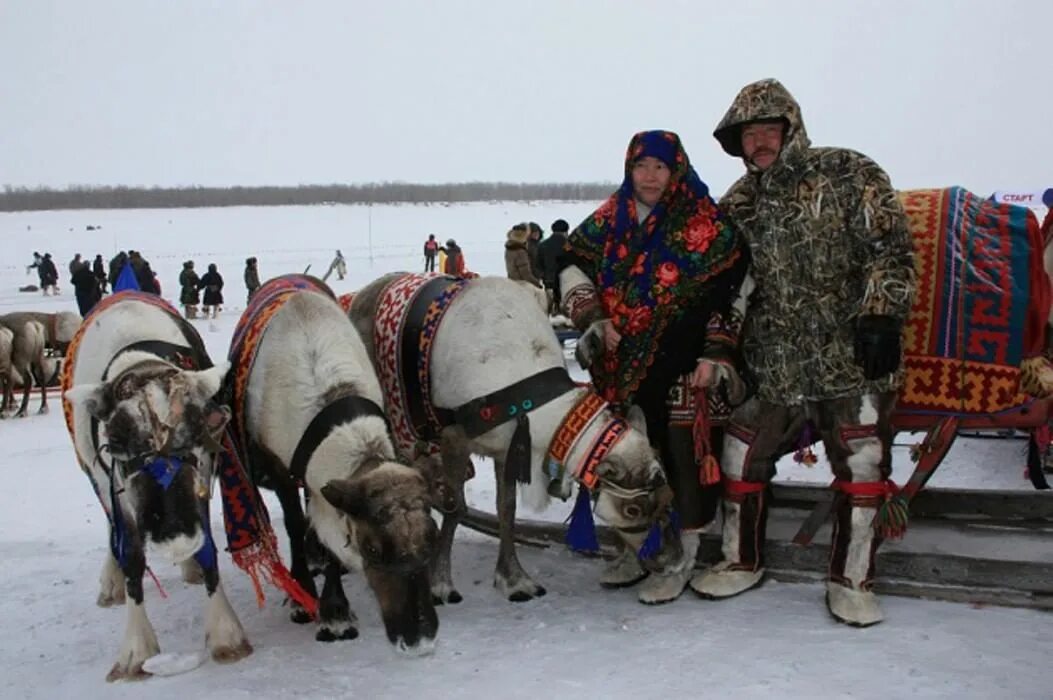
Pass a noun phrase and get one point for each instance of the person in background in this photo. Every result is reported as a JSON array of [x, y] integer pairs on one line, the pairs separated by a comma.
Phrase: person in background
[[116, 265], [75, 263], [252, 276], [48, 275], [189, 289], [212, 283], [338, 265], [532, 243], [548, 255], [144, 274], [85, 288], [646, 277], [454, 263], [833, 275], [517, 258], [431, 251], [98, 268], [37, 259]]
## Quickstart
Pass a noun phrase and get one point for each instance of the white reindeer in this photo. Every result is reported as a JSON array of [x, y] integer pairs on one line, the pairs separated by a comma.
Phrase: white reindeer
[[495, 334], [311, 411], [144, 429]]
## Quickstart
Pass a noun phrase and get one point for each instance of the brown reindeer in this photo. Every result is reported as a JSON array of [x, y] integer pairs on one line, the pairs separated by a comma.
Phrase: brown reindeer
[[28, 362]]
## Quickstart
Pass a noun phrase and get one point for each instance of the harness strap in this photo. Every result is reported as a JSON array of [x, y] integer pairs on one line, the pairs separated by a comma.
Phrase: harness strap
[[736, 490], [611, 434], [865, 493], [183, 356], [570, 430], [340, 411], [482, 414], [423, 315]]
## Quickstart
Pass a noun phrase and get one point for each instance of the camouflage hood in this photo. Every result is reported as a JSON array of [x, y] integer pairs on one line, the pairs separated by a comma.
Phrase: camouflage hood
[[763, 100]]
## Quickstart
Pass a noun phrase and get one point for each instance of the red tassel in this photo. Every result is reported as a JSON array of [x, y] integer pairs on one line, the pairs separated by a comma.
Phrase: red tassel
[[709, 466], [262, 563], [160, 588]]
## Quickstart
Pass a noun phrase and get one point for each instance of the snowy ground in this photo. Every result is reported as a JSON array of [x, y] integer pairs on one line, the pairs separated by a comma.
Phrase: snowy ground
[[578, 641]]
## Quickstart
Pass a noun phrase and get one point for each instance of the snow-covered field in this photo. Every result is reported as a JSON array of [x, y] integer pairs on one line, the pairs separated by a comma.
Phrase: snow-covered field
[[578, 641]]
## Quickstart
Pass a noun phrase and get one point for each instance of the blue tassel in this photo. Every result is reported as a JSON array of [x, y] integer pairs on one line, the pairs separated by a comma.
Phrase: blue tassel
[[653, 543], [581, 533]]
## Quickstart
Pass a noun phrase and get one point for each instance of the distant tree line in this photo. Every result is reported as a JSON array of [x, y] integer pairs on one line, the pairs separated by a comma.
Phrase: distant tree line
[[122, 197]]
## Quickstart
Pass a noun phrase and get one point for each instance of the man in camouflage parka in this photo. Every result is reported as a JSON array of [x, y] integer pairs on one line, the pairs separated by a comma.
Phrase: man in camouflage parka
[[832, 280]]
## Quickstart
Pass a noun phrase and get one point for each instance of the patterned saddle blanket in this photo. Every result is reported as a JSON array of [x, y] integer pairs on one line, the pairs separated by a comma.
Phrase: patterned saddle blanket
[[981, 305]]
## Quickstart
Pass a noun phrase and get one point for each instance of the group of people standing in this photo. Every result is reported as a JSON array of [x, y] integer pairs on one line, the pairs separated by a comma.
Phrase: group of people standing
[[450, 257], [191, 285], [787, 298], [534, 259], [90, 280]]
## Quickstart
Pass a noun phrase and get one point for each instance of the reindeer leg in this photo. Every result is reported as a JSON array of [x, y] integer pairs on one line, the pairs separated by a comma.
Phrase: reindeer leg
[[7, 399], [27, 387], [224, 635], [191, 572], [296, 528], [337, 620], [510, 577], [456, 463], [140, 640], [295, 522], [43, 390], [442, 588], [111, 583]]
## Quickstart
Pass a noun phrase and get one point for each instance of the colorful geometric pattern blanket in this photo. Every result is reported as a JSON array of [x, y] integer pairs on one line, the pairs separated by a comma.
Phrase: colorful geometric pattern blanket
[[403, 352], [253, 544], [981, 305]]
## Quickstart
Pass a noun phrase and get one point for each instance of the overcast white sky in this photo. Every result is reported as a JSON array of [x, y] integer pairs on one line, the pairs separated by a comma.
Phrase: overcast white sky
[[250, 92]]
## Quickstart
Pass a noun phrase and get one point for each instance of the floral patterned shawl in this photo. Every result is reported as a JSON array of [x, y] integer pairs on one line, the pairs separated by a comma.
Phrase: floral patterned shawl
[[647, 273]]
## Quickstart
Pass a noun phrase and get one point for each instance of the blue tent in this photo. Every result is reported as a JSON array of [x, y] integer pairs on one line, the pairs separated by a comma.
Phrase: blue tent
[[126, 280]]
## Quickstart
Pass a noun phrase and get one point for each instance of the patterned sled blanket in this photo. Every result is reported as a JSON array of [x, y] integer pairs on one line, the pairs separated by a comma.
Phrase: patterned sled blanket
[[981, 306], [252, 542]]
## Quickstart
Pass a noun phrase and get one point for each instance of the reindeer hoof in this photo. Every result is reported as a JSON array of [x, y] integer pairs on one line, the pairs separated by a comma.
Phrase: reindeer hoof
[[43, 411], [452, 597], [442, 593], [228, 655], [325, 634], [120, 673], [299, 615], [523, 596]]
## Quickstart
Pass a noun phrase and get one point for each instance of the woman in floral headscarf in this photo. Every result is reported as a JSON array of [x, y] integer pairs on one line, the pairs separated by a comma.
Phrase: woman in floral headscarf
[[649, 277]]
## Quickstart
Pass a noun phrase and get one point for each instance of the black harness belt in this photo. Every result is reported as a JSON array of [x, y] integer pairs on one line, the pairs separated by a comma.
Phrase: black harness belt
[[342, 410], [412, 360], [514, 402]]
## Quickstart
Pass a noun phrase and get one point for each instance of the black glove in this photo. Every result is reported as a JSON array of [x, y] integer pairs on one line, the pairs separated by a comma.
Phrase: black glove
[[877, 346]]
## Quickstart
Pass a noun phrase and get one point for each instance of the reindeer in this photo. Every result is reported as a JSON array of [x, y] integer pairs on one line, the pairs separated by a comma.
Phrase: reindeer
[[7, 378], [307, 411], [28, 362], [472, 366], [59, 327], [137, 388]]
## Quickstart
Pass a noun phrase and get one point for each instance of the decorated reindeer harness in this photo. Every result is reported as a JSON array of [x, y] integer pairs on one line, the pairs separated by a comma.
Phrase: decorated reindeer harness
[[410, 311], [251, 328], [161, 465]]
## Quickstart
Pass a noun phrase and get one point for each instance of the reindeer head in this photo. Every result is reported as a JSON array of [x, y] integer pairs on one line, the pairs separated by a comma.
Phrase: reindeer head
[[390, 507], [633, 496], [159, 427]]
